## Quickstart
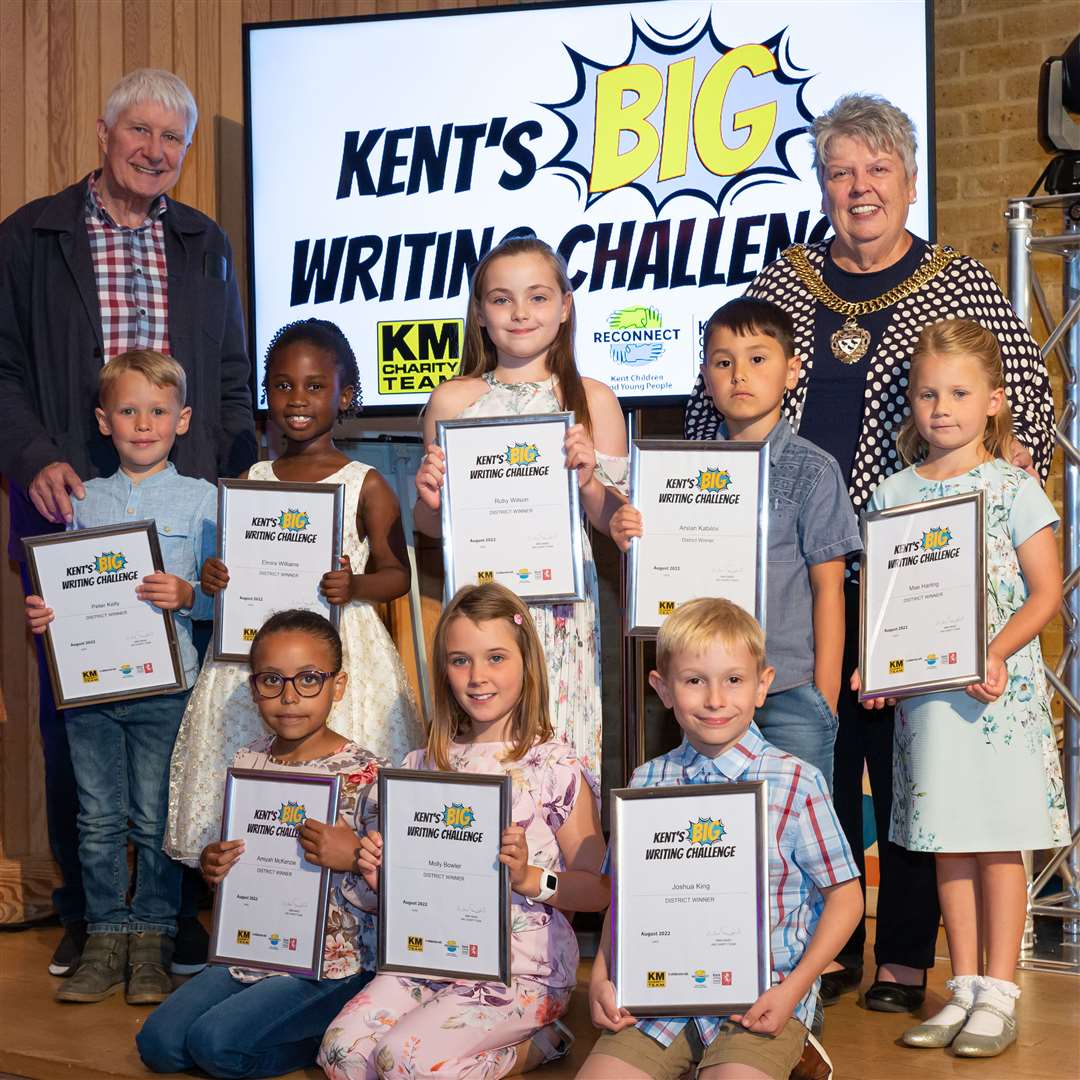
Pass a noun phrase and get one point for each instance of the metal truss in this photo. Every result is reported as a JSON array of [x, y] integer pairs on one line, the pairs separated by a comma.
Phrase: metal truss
[[1058, 218]]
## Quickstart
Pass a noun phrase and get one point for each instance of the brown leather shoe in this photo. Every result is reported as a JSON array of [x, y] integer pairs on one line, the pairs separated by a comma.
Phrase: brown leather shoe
[[814, 1063]]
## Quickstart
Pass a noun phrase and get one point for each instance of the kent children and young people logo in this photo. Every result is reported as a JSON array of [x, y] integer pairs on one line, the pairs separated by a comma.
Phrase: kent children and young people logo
[[636, 335]]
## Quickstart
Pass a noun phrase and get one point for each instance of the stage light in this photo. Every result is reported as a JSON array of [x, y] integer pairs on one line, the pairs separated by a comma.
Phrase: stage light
[[1059, 133]]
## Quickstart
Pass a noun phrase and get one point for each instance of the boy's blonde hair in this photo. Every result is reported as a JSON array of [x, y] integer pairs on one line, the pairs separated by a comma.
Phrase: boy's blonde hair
[[958, 337], [157, 368], [531, 722], [699, 623]]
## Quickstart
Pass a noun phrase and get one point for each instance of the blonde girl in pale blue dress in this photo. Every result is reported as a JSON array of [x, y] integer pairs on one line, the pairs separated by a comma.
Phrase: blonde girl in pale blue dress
[[976, 776], [518, 358]]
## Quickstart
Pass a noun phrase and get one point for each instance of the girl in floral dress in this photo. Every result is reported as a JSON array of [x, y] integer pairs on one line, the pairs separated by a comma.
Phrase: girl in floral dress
[[976, 776], [518, 358], [491, 716], [311, 382], [241, 1022]]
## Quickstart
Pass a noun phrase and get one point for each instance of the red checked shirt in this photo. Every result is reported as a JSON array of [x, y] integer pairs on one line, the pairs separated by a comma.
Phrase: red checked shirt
[[132, 277]]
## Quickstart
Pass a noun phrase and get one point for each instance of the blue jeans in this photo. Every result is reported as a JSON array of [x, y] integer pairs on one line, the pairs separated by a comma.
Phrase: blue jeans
[[232, 1029], [120, 753], [61, 799], [800, 722]]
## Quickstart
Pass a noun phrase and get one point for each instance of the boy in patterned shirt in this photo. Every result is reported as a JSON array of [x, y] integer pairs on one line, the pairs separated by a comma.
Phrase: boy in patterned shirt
[[711, 672]]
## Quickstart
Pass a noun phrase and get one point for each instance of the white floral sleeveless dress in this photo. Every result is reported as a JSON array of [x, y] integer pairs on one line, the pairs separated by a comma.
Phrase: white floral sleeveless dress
[[378, 711], [569, 633]]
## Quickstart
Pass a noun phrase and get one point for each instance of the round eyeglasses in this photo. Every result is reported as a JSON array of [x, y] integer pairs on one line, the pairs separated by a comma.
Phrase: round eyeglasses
[[271, 684]]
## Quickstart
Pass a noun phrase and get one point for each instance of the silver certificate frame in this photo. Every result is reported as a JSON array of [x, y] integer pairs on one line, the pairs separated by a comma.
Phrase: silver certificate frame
[[694, 941], [501, 523], [429, 890], [99, 653], [272, 904], [922, 612], [244, 605], [694, 555]]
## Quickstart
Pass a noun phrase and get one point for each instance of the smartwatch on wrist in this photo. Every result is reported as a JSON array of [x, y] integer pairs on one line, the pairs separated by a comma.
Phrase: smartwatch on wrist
[[549, 882]]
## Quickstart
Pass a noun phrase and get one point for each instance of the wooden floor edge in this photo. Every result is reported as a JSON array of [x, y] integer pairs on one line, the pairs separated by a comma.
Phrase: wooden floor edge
[[38, 1068]]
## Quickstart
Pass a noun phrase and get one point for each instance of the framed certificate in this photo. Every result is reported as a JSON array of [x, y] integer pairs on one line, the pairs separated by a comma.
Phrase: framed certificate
[[705, 507], [277, 541], [510, 508], [444, 897], [922, 618], [104, 644], [270, 911], [690, 899]]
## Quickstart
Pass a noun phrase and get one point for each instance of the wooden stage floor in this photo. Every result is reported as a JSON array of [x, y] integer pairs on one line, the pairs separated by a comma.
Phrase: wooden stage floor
[[46, 1041]]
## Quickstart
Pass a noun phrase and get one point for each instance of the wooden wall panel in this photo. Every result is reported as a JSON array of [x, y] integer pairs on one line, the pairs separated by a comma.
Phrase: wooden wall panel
[[58, 61]]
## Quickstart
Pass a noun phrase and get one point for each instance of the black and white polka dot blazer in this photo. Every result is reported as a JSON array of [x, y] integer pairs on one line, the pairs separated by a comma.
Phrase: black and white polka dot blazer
[[965, 289]]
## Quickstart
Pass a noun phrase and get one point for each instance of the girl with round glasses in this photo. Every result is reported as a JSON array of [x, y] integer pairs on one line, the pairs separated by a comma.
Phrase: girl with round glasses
[[231, 1021]]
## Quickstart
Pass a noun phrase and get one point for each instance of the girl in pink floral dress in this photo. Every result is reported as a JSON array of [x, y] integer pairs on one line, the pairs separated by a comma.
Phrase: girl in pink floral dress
[[491, 716]]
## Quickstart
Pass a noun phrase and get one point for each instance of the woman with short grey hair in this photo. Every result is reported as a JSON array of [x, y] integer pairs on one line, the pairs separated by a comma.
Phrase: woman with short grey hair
[[858, 302]]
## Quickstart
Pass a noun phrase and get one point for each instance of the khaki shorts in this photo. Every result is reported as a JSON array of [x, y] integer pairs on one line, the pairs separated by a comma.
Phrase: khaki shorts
[[775, 1055]]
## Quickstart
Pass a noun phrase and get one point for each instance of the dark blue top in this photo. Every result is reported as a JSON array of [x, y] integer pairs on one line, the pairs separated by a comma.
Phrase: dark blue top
[[832, 415]]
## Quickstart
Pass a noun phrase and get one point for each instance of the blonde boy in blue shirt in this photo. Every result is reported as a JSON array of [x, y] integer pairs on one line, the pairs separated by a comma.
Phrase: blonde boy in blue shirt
[[120, 751], [711, 672]]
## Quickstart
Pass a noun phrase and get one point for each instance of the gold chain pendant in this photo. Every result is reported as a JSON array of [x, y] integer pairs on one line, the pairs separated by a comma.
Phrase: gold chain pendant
[[850, 342]]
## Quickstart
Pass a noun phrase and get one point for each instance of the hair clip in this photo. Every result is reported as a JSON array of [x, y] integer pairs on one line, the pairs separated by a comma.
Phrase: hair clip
[[517, 618]]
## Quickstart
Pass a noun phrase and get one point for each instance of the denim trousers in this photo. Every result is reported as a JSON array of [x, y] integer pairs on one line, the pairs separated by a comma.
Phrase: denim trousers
[[61, 798], [120, 752], [232, 1029], [800, 722]]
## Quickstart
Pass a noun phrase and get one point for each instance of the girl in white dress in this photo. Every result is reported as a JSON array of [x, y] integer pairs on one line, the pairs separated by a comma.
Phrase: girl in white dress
[[311, 381], [976, 777], [518, 358]]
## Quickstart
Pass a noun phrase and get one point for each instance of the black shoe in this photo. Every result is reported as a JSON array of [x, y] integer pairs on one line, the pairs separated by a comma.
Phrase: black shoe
[[895, 997], [835, 983], [192, 945], [69, 952]]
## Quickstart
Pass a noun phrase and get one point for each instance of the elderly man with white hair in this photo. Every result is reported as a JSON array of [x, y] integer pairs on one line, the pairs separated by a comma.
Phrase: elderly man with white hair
[[109, 264]]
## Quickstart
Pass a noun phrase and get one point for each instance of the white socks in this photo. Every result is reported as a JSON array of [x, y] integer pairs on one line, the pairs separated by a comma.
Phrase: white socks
[[999, 993], [959, 1005]]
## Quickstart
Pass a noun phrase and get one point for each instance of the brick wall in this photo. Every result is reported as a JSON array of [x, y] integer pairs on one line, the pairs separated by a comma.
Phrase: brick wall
[[988, 55]]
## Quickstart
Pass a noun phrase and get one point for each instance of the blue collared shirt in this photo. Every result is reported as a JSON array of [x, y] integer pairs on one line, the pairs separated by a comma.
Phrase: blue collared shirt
[[807, 851], [185, 511], [810, 522]]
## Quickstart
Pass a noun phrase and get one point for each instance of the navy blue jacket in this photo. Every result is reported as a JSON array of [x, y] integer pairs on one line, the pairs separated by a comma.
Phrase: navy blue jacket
[[51, 344]]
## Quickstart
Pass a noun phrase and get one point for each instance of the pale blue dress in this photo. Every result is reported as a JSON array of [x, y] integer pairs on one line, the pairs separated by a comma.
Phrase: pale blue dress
[[971, 777]]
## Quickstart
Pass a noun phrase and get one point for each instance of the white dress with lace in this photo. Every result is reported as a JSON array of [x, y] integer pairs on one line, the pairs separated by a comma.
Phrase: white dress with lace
[[570, 633], [378, 711]]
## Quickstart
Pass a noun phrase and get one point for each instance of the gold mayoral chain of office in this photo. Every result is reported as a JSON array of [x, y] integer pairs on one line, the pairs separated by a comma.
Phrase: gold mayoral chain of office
[[850, 342]]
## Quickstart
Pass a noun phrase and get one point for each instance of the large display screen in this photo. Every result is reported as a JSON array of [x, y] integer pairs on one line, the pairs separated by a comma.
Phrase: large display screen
[[660, 147]]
